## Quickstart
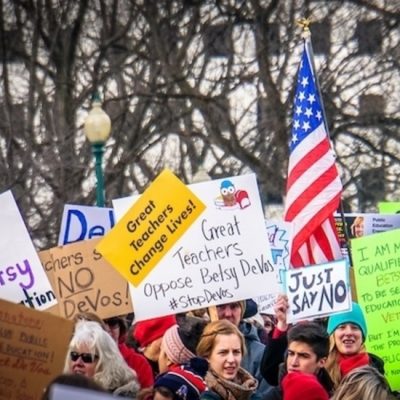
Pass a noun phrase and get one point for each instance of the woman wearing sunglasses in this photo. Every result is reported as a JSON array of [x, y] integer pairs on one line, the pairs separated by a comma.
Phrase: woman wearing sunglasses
[[93, 353]]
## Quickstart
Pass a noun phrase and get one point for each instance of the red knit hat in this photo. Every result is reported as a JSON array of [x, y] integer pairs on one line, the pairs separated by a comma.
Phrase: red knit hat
[[146, 332], [299, 385]]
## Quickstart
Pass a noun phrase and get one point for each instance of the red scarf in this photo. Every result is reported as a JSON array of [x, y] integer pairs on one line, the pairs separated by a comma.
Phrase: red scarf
[[349, 362]]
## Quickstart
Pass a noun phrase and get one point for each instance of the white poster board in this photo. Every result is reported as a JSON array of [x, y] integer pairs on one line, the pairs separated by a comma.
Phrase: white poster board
[[317, 291], [280, 235], [22, 277], [223, 257], [84, 222]]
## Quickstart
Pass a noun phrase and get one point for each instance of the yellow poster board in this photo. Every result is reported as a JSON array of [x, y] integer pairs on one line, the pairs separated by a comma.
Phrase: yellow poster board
[[33, 347], [141, 238], [389, 207], [377, 272]]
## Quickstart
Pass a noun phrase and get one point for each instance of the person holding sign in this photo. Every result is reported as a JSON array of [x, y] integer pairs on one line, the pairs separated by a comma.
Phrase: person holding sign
[[93, 353], [223, 346], [300, 352], [348, 332]]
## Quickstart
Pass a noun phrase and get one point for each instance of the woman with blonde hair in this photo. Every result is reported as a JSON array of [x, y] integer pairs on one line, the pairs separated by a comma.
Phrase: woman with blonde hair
[[93, 353], [223, 346], [347, 352], [364, 383]]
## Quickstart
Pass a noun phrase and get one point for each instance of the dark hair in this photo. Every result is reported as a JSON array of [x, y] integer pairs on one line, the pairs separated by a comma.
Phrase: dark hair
[[312, 334], [190, 330]]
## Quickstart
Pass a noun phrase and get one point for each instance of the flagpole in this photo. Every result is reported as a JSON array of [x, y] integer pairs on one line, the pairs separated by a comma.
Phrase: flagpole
[[305, 24]]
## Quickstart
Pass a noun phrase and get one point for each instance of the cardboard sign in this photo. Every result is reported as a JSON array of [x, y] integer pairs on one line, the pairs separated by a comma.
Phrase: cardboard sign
[[389, 207], [223, 257], [359, 225], [22, 278], [317, 291], [280, 241], [33, 347], [164, 212], [377, 273], [84, 282], [84, 222]]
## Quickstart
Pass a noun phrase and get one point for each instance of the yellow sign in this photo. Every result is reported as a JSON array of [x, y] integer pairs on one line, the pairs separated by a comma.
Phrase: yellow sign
[[151, 227]]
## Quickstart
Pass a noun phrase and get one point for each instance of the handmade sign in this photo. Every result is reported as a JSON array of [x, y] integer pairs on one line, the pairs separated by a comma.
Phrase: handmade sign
[[33, 347], [84, 222], [317, 291], [389, 207], [22, 278], [280, 241], [84, 282], [376, 261], [223, 257]]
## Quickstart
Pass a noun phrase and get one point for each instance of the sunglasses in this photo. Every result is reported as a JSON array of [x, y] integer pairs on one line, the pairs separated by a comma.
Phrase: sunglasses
[[87, 358]]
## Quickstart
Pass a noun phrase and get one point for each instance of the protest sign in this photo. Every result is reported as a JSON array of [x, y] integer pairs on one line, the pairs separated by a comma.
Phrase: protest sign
[[317, 291], [151, 227], [84, 282], [280, 241], [377, 273], [84, 222], [22, 278], [359, 225], [223, 257], [66, 392], [389, 207], [33, 347]]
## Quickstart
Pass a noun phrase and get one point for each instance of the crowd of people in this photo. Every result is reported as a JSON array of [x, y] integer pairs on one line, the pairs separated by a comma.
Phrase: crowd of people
[[243, 355]]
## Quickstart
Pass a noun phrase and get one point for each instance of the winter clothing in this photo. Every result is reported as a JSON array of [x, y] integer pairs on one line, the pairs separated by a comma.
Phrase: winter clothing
[[355, 316], [186, 381], [148, 331], [241, 388], [129, 390], [139, 364], [252, 359], [298, 385]]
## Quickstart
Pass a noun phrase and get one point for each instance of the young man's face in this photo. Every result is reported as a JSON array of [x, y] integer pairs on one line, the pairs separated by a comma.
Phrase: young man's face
[[301, 358], [231, 311]]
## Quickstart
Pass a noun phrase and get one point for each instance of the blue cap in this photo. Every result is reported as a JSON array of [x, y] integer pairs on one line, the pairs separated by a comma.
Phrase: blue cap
[[355, 316]]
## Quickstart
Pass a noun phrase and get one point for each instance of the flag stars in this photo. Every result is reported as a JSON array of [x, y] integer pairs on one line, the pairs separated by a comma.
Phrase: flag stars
[[296, 124], [306, 126], [304, 81], [294, 138], [302, 96], [311, 98], [308, 112], [298, 110], [318, 115]]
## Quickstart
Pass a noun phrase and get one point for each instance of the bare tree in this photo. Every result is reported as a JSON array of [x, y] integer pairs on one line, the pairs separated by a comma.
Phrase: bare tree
[[189, 84]]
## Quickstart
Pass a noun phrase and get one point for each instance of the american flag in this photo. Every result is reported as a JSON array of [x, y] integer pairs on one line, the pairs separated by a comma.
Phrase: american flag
[[313, 185]]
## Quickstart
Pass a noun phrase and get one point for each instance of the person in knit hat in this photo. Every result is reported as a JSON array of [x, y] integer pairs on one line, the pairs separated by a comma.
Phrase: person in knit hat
[[298, 385], [179, 342], [182, 382], [235, 313], [148, 336], [348, 332]]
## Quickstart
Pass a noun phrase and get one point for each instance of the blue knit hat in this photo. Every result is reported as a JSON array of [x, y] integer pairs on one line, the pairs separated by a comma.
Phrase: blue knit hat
[[355, 316]]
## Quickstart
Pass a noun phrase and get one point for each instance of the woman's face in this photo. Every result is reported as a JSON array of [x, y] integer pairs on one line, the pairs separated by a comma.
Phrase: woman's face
[[163, 360], [226, 356], [82, 361], [348, 339]]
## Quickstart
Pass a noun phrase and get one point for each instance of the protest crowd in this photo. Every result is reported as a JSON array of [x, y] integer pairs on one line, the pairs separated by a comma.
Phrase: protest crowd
[[241, 355]]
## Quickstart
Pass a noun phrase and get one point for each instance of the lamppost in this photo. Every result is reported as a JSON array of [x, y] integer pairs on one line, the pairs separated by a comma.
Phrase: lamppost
[[97, 129]]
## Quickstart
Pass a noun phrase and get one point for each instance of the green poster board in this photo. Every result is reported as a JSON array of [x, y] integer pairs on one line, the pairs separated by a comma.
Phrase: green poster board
[[392, 207], [376, 261]]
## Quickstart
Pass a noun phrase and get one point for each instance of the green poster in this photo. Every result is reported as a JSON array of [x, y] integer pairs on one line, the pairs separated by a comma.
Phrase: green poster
[[391, 207], [376, 261]]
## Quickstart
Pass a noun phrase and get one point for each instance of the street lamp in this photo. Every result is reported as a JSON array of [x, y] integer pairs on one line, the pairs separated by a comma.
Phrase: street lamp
[[97, 129]]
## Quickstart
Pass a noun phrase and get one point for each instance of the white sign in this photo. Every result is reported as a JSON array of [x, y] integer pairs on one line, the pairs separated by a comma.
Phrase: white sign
[[68, 392], [280, 241], [84, 222], [317, 291], [223, 257], [22, 277]]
